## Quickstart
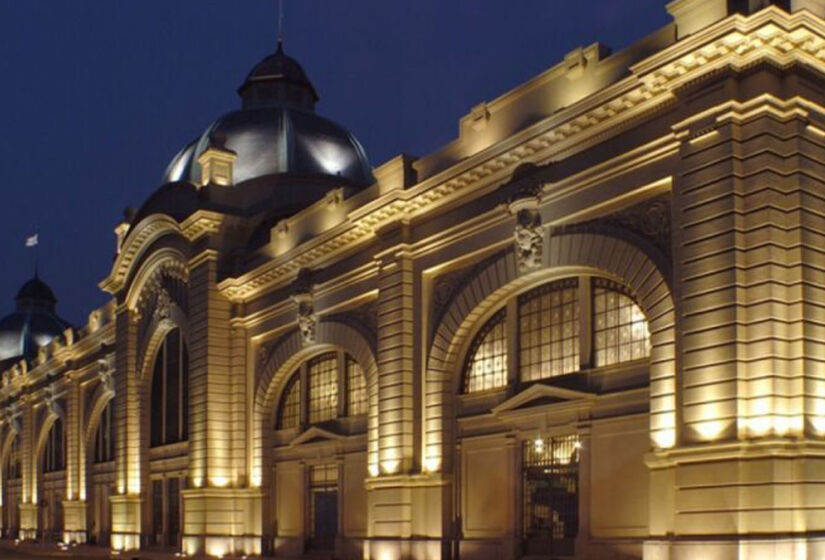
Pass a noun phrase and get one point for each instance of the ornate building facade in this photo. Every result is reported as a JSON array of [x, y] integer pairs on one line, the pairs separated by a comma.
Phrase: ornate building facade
[[590, 327]]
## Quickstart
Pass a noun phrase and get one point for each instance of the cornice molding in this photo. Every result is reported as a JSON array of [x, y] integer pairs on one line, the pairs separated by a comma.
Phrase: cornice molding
[[734, 43]]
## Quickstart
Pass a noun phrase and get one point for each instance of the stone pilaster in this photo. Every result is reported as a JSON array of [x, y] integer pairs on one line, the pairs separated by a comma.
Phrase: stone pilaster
[[222, 516], [74, 507], [406, 509], [395, 361], [130, 472], [28, 507], [749, 207]]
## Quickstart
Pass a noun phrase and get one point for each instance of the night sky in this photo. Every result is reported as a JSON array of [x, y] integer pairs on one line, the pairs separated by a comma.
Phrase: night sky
[[98, 96]]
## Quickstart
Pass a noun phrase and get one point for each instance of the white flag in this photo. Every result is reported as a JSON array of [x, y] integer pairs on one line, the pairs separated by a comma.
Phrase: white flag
[[32, 241]]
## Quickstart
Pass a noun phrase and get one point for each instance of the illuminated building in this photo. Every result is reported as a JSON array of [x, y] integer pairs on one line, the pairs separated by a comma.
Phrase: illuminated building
[[590, 326]]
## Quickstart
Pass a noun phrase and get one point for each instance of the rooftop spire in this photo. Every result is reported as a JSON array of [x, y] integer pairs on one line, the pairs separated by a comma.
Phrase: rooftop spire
[[280, 25]]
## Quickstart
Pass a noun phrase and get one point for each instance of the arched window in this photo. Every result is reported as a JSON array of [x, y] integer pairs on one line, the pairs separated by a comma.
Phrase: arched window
[[335, 387], [290, 409], [356, 389], [560, 327], [621, 332], [170, 392], [323, 388], [486, 366], [549, 337], [54, 458], [105, 435], [12, 466]]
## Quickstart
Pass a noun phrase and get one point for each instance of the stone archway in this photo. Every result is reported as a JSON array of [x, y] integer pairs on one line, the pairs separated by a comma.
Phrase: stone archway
[[501, 278], [285, 357]]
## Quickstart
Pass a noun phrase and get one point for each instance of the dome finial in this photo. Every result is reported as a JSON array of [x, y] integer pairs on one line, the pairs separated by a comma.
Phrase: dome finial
[[280, 25]]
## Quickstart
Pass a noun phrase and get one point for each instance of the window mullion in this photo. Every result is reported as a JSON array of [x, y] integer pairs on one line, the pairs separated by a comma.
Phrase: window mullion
[[585, 322], [304, 399], [343, 389], [512, 325], [180, 387], [164, 398]]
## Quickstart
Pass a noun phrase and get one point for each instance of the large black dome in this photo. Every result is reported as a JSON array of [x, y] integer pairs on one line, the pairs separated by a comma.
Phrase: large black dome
[[277, 132], [33, 324]]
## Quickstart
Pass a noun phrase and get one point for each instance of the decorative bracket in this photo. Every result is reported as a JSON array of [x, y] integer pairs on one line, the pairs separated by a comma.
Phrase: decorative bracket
[[307, 319], [12, 416], [50, 400], [106, 375], [529, 231], [163, 305]]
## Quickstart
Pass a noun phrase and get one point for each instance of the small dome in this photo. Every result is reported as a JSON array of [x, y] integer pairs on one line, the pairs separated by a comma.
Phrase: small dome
[[271, 141], [278, 139], [278, 79], [33, 324], [35, 292]]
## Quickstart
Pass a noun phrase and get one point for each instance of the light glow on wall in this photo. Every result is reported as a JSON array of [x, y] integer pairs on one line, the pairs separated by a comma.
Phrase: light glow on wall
[[219, 481], [432, 464], [710, 430]]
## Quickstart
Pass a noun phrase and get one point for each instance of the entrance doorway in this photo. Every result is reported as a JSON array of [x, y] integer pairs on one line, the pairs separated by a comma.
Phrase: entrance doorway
[[323, 502], [550, 479], [166, 512]]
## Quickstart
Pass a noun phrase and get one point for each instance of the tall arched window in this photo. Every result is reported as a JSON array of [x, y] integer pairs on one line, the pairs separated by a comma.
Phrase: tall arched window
[[549, 337], [621, 331], [560, 327], [54, 457], [335, 387], [323, 388], [356, 389], [486, 366], [290, 409], [105, 435], [170, 392], [12, 466]]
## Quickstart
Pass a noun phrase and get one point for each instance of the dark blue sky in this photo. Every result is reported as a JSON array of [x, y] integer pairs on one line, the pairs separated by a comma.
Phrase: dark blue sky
[[98, 96]]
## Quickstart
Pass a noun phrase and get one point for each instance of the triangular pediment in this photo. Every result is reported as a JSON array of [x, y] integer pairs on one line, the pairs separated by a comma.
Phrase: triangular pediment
[[542, 394], [315, 435]]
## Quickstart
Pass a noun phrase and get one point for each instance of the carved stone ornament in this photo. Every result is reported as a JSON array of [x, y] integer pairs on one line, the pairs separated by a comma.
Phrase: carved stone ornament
[[50, 400], [12, 416], [528, 233], [43, 354], [307, 319], [105, 374], [163, 305]]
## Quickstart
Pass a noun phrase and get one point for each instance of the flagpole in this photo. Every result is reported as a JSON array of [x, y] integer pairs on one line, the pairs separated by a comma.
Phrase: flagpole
[[33, 242]]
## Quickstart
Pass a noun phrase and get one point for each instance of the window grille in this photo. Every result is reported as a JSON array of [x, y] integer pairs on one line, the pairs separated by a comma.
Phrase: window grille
[[356, 389], [290, 409], [549, 330], [551, 491], [620, 328], [323, 388], [486, 367]]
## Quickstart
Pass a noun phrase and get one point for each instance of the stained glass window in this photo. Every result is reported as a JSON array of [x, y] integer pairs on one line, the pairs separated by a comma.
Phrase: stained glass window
[[290, 409], [356, 389], [549, 330], [486, 366], [323, 388], [620, 329]]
